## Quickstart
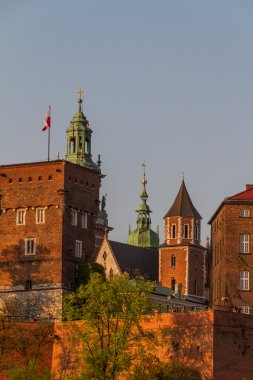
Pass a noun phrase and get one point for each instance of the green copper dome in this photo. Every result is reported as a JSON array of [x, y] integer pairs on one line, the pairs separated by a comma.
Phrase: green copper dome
[[79, 140], [143, 236]]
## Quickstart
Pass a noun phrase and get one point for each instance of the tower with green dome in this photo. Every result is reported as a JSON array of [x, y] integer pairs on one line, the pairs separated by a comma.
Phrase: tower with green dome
[[143, 236], [79, 139]]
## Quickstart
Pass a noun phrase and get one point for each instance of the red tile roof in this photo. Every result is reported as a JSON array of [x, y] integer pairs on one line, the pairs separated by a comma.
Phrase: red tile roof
[[244, 195]]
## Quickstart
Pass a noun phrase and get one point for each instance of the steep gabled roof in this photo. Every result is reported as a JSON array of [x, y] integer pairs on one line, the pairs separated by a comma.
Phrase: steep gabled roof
[[183, 205], [133, 260]]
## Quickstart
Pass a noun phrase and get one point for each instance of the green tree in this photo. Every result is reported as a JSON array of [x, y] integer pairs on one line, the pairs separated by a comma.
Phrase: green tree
[[111, 313], [85, 270], [153, 369]]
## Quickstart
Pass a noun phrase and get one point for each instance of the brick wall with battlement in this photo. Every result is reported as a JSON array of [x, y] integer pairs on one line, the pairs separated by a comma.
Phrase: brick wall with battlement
[[46, 229]]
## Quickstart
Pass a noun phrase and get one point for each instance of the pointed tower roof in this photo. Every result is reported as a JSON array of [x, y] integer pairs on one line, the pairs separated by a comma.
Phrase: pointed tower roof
[[183, 205], [143, 236]]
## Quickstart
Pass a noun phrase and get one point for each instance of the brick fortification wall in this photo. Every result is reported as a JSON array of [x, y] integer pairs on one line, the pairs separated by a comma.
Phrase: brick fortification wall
[[219, 343]]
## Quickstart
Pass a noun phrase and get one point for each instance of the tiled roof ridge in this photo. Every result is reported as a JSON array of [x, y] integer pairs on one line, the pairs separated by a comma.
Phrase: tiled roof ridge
[[236, 196]]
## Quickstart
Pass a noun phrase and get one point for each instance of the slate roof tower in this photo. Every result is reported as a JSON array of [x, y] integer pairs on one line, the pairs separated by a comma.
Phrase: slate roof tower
[[181, 257]]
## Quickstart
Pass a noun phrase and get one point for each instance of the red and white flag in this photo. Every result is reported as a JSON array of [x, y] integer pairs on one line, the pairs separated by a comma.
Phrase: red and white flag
[[47, 121]]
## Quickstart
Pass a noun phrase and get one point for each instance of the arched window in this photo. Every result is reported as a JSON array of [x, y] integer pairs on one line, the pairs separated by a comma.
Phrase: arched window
[[173, 261], [186, 231], [80, 142], [173, 231], [87, 146], [173, 283], [72, 145], [196, 232]]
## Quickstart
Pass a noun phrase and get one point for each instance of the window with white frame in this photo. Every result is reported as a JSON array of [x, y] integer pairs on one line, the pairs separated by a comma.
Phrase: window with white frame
[[244, 309], [40, 215], [78, 248], [186, 231], [30, 246], [244, 243], [84, 220], [244, 280], [74, 217], [21, 217], [245, 213], [173, 231]]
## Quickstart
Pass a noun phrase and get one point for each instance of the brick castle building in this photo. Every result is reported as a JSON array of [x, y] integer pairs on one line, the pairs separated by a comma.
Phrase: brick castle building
[[47, 224], [232, 248], [182, 260]]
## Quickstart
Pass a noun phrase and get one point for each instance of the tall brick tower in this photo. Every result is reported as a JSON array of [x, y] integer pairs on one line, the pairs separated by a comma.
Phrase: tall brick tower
[[47, 214], [181, 257]]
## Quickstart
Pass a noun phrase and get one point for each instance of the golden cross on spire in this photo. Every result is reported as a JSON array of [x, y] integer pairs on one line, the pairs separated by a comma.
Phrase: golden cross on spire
[[80, 92], [144, 174]]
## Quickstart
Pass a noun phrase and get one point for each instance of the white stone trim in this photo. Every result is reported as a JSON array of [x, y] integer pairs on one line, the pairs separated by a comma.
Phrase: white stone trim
[[186, 270]]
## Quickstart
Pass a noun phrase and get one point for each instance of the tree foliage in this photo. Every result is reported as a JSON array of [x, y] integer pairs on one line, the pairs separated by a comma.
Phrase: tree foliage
[[153, 369], [110, 332]]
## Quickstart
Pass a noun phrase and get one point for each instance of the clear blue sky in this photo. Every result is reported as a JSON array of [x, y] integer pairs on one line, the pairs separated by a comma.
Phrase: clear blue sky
[[168, 82]]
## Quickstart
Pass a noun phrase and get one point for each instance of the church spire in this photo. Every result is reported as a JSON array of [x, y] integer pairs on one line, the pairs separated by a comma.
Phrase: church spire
[[79, 139], [143, 236]]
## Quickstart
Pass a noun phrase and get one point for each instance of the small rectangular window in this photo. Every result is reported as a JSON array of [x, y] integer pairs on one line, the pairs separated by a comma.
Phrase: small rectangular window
[[244, 309], [244, 280], [196, 232], [173, 231], [78, 248], [39, 178], [28, 285], [30, 246], [20, 217], [10, 180], [40, 215], [50, 178], [245, 213], [84, 220], [30, 179], [74, 217], [186, 231], [244, 243]]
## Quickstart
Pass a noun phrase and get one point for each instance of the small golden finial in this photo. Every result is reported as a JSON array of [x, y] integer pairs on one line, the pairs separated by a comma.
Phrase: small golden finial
[[80, 92], [144, 182], [144, 173]]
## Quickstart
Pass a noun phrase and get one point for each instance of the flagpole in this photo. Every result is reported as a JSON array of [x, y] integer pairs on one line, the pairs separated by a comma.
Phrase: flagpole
[[48, 143]]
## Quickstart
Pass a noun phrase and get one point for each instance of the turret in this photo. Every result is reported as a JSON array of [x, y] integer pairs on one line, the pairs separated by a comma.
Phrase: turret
[[79, 139], [143, 236]]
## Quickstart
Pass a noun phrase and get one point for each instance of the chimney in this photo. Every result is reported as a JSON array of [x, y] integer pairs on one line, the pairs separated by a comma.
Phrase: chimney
[[249, 187]]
